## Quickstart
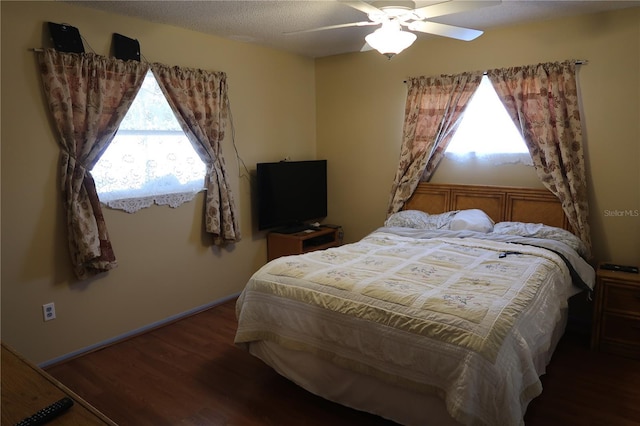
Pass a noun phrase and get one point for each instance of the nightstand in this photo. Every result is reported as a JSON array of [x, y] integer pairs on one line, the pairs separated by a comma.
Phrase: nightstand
[[616, 317]]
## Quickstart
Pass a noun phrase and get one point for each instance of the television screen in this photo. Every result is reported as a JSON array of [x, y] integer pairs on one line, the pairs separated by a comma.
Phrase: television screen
[[290, 193]]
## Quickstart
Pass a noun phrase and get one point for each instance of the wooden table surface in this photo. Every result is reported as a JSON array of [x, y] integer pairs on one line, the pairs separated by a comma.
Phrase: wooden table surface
[[27, 389]]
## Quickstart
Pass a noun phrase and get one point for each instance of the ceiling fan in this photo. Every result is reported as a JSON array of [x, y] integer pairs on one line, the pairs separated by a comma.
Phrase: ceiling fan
[[390, 39]]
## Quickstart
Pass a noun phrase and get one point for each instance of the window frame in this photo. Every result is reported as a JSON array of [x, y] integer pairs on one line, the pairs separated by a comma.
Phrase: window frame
[[134, 198], [521, 156]]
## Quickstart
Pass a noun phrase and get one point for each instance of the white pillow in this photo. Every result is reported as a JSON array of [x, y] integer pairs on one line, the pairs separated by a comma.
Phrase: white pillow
[[408, 219], [419, 219], [471, 220]]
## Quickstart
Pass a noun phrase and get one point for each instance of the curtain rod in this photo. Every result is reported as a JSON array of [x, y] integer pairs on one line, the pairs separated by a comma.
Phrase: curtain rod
[[577, 62]]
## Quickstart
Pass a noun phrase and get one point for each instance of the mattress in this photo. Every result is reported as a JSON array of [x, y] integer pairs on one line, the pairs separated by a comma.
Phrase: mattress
[[463, 322]]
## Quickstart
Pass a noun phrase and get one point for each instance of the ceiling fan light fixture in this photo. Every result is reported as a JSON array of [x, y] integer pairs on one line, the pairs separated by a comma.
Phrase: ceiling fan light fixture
[[390, 40]]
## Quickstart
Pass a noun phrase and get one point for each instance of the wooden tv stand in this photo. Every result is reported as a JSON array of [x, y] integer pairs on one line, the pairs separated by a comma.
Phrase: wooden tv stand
[[279, 244]]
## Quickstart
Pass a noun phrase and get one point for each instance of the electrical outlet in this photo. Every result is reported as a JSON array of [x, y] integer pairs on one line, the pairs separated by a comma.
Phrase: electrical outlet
[[49, 311]]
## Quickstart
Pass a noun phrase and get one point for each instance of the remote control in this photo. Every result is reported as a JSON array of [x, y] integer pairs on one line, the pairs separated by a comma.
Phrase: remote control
[[47, 413], [507, 253], [621, 268]]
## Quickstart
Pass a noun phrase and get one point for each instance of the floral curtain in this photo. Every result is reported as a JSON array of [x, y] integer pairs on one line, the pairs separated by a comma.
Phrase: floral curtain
[[433, 111], [542, 100], [199, 100], [88, 96]]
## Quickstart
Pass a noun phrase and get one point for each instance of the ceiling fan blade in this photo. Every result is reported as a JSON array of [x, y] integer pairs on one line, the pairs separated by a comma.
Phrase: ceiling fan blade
[[361, 6], [452, 6], [444, 30], [331, 27], [366, 47]]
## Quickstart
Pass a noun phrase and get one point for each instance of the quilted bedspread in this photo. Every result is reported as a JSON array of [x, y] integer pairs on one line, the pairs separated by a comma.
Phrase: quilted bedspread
[[451, 316]]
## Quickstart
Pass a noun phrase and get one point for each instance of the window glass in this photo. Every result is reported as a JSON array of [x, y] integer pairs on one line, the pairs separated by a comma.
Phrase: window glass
[[150, 155], [487, 132]]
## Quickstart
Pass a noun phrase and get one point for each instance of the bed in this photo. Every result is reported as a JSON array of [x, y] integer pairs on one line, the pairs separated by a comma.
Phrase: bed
[[448, 314]]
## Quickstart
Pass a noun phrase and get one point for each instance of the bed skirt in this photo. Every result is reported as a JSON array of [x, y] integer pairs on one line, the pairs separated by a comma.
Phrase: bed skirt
[[366, 393]]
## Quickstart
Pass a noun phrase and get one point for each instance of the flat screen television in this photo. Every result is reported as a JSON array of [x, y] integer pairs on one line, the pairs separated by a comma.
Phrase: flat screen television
[[291, 193]]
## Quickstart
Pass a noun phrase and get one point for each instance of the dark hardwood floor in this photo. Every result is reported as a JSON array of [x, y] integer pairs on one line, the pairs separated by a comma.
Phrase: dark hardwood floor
[[190, 373]]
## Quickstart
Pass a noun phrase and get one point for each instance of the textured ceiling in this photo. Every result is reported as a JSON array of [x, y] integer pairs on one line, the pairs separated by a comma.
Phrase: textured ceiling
[[265, 22]]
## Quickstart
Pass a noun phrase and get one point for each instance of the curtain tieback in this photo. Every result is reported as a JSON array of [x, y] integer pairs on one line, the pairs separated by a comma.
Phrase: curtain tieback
[[72, 158]]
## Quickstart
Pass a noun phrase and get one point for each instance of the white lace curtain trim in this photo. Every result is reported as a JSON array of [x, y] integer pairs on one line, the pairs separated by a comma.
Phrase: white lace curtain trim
[[493, 159], [132, 205]]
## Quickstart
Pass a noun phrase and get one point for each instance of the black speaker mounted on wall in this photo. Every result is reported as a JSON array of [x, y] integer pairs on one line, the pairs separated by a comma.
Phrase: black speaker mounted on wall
[[66, 38], [126, 48]]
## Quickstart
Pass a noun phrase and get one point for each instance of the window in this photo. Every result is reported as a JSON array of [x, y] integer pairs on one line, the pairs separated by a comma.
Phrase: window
[[487, 132], [150, 159]]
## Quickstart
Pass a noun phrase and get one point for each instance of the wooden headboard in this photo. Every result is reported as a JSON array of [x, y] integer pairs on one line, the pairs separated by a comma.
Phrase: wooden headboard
[[501, 203]]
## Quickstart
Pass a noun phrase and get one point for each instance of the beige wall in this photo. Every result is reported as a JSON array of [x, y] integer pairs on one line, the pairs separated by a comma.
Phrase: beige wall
[[167, 266], [347, 108], [360, 102]]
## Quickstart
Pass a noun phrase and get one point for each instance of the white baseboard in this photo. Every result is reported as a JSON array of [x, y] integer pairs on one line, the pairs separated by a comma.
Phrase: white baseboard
[[137, 331]]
